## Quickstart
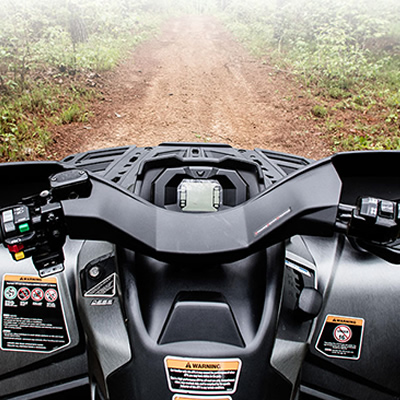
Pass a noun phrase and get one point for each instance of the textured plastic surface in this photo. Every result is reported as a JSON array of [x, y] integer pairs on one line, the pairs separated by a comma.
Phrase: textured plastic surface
[[357, 284], [212, 270], [24, 372], [149, 302]]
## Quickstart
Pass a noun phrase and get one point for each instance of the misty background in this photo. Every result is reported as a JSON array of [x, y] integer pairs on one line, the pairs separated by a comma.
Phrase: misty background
[[51, 51]]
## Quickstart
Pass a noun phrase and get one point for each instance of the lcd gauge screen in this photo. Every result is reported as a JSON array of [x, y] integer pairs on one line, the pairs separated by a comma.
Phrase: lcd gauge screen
[[199, 195]]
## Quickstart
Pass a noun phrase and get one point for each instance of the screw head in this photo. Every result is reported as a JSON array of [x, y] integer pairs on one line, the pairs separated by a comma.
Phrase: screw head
[[94, 272]]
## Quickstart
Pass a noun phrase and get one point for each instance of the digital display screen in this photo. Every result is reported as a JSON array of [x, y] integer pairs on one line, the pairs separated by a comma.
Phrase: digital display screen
[[199, 195]]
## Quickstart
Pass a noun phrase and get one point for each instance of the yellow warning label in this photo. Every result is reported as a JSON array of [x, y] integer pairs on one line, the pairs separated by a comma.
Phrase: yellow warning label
[[202, 376], [20, 278], [179, 397], [201, 365], [344, 320]]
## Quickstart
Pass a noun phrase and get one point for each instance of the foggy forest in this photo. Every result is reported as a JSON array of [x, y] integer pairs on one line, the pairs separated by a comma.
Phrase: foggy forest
[[341, 56]]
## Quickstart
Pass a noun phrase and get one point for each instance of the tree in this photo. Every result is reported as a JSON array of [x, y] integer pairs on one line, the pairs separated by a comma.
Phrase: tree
[[77, 28]]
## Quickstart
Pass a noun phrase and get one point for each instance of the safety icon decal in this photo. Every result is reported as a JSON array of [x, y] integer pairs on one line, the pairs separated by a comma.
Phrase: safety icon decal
[[32, 316], [341, 337], [106, 288]]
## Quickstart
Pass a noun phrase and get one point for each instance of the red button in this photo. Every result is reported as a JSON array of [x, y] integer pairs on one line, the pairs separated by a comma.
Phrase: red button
[[15, 248]]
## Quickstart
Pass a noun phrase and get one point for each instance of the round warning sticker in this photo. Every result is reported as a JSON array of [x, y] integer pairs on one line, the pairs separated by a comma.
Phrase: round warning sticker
[[10, 293], [37, 294], [342, 333], [51, 295], [24, 294]]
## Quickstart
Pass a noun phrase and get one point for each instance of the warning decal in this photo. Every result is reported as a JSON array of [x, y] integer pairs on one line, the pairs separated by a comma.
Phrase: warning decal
[[106, 288], [202, 376], [32, 317], [341, 337], [184, 397]]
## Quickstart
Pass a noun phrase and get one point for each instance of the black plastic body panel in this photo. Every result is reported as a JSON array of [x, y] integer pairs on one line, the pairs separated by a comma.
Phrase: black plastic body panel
[[20, 180], [178, 270], [67, 369], [291, 206], [370, 173], [127, 165], [27, 374], [151, 291], [356, 284]]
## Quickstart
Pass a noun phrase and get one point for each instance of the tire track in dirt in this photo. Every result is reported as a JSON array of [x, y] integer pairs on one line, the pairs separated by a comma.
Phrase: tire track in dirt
[[195, 83]]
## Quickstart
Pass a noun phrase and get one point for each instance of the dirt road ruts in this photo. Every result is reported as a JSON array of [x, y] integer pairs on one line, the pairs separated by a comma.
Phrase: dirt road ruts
[[195, 83]]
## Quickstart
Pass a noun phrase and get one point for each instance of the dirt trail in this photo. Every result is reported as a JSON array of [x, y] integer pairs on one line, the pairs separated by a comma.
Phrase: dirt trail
[[195, 83]]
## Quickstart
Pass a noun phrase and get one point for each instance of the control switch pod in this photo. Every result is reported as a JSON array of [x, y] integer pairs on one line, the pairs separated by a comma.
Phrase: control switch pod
[[375, 219], [37, 232]]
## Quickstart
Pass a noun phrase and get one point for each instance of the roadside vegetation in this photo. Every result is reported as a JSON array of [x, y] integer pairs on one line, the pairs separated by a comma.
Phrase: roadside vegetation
[[52, 55], [345, 54]]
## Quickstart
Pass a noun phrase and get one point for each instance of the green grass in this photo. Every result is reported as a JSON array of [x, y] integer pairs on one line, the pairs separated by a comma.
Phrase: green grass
[[47, 51], [26, 117], [344, 53]]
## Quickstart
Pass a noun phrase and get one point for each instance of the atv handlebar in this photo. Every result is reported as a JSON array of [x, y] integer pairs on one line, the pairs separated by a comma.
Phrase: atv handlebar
[[306, 202]]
